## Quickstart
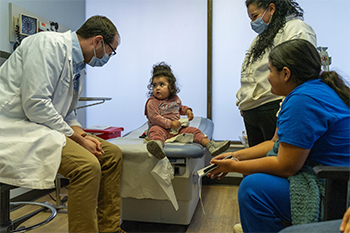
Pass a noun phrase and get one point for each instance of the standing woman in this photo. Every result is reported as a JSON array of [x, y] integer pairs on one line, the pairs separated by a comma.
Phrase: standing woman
[[312, 129], [275, 21]]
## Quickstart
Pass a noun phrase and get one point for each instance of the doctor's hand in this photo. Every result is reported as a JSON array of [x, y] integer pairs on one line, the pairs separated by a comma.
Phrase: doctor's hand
[[94, 146], [225, 166], [88, 142]]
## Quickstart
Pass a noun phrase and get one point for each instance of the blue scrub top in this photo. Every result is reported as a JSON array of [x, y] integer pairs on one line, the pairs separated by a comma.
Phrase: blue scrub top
[[314, 117]]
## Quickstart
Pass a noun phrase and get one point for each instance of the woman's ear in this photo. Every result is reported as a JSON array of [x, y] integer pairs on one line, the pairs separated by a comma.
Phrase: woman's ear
[[272, 8], [286, 74]]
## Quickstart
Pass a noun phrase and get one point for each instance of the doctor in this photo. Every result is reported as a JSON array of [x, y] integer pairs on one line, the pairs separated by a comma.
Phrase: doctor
[[39, 133]]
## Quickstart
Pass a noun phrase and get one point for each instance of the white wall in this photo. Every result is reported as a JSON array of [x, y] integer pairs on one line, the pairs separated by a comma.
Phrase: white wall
[[174, 31], [233, 35], [331, 21], [68, 13]]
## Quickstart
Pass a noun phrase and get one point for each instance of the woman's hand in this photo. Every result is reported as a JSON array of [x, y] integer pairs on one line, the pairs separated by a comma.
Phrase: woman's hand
[[189, 114], [225, 166], [345, 224]]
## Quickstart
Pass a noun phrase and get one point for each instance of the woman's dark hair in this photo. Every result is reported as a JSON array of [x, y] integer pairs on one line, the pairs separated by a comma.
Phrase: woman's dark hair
[[304, 63], [163, 70], [284, 8], [99, 25]]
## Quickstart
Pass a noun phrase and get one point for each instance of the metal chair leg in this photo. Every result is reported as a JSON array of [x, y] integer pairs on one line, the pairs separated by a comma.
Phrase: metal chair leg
[[60, 203], [45, 206], [8, 225]]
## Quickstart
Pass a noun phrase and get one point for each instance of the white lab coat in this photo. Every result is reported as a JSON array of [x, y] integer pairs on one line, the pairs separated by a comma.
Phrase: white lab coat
[[36, 109]]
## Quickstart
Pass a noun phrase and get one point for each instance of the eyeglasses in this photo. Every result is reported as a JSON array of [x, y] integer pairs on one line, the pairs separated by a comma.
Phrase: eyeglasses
[[114, 52]]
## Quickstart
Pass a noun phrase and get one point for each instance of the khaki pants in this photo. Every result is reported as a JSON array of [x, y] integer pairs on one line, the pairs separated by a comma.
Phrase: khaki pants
[[94, 187]]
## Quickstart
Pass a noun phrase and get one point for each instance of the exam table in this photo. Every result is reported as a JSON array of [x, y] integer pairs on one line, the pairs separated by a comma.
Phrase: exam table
[[147, 198]]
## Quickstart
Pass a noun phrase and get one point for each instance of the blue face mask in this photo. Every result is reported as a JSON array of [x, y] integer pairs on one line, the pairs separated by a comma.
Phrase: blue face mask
[[95, 61], [258, 25]]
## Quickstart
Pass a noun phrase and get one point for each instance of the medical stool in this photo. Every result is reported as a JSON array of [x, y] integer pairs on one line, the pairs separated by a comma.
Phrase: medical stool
[[8, 225], [60, 203]]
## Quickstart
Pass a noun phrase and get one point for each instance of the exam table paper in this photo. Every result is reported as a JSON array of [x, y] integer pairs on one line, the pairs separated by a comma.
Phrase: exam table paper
[[137, 180]]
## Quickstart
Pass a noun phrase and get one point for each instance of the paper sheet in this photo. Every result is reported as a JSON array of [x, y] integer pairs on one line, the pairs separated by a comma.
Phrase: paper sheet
[[137, 180], [163, 172]]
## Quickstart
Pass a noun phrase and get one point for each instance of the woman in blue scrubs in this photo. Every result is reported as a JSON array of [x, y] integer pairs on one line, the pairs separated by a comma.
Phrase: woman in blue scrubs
[[312, 129]]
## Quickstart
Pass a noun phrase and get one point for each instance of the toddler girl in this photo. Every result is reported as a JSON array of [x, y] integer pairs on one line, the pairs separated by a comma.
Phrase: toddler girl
[[163, 110]]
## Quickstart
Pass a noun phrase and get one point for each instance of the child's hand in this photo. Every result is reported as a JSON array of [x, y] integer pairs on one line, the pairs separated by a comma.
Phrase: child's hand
[[189, 114], [175, 124]]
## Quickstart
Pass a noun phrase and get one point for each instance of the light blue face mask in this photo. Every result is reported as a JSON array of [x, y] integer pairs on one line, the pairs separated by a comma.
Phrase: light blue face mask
[[258, 25], [95, 61]]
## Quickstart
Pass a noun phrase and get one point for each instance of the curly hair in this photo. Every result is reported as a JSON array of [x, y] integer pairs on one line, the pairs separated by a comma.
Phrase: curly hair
[[284, 8], [163, 70]]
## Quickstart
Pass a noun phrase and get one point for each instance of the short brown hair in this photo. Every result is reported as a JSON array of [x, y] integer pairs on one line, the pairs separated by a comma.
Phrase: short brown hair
[[99, 25]]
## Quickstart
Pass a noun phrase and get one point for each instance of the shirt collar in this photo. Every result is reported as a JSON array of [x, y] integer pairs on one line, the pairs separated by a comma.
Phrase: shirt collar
[[77, 54]]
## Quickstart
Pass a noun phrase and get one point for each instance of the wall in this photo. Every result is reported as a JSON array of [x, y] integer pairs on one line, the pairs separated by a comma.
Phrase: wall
[[331, 22], [233, 36], [68, 13], [174, 31]]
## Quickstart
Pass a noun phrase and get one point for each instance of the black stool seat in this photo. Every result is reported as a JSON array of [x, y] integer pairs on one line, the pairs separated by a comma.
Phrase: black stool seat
[[8, 225]]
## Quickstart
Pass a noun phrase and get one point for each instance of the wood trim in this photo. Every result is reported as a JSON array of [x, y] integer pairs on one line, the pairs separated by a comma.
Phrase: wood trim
[[209, 57]]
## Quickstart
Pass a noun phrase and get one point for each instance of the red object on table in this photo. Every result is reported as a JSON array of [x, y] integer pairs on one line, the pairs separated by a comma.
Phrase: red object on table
[[108, 133]]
